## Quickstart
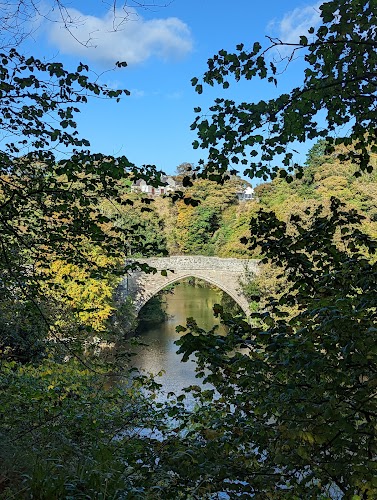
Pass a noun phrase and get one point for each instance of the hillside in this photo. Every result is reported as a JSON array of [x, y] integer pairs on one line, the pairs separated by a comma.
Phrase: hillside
[[216, 225]]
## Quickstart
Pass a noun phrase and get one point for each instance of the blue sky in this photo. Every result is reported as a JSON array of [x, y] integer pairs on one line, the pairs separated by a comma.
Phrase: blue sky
[[165, 47]]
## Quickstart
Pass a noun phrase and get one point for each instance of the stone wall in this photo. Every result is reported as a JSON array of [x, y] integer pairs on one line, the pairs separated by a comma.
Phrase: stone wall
[[226, 274], [195, 262]]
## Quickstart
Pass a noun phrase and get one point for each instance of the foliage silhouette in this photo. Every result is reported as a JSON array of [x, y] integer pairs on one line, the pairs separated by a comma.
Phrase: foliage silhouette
[[301, 386], [339, 80]]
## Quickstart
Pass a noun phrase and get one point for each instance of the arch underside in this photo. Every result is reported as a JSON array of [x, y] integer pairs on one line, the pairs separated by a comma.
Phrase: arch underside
[[231, 291]]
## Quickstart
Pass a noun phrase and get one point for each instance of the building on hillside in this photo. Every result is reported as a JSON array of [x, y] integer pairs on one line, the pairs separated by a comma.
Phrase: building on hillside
[[245, 194], [141, 186]]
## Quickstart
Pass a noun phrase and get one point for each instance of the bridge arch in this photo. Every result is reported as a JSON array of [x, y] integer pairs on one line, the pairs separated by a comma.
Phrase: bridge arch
[[224, 273], [240, 300]]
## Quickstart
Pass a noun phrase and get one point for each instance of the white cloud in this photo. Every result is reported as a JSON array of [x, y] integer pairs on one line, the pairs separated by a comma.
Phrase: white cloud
[[295, 23], [137, 93], [133, 41], [175, 96]]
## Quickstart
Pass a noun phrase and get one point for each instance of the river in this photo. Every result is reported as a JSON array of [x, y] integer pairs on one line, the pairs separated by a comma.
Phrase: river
[[160, 354]]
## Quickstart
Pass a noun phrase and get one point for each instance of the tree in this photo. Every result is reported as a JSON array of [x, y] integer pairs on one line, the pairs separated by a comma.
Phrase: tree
[[185, 171], [196, 225], [339, 79], [141, 225], [317, 154], [297, 394], [52, 208], [296, 408]]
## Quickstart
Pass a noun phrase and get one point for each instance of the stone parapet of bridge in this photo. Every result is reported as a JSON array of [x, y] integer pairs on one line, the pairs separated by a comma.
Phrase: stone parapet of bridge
[[225, 273]]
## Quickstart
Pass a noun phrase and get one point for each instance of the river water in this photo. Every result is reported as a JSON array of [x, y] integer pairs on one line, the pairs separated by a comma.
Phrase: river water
[[160, 354]]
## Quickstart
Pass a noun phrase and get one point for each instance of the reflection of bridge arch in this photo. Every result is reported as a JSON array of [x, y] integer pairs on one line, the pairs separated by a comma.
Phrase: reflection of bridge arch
[[226, 274]]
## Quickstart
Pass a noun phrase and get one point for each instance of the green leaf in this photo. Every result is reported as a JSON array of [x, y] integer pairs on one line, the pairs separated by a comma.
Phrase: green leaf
[[199, 88]]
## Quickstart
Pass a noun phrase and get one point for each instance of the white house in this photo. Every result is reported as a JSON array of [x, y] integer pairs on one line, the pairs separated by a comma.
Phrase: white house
[[246, 194], [141, 186]]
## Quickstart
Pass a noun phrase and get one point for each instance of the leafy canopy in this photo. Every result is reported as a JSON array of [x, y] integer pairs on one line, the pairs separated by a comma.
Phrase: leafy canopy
[[296, 392], [52, 191], [50, 201], [339, 80]]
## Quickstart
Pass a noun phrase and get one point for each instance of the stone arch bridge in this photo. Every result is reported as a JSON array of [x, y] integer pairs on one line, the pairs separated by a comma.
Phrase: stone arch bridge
[[226, 274]]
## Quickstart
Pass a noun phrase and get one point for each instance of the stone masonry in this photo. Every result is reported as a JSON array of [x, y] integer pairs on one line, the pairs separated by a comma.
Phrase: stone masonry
[[226, 274]]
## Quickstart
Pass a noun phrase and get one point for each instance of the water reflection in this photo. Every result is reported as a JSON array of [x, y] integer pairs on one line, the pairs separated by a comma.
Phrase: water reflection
[[161, 352]]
